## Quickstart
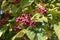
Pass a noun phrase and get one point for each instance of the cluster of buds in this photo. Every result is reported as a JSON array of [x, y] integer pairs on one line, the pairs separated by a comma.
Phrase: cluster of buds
[[41, 9], [17, 28], [25, 19], [44, 11]]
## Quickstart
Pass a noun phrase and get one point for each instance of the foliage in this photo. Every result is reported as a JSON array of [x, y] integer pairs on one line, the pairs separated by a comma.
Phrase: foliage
[[30, 19]]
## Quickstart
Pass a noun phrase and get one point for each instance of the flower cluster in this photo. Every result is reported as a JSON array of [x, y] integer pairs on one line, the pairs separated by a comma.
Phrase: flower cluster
[[42, 10], [17, 28], [25, 19]]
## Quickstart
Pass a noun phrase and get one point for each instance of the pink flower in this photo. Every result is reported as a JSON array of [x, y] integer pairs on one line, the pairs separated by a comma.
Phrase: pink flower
[[17, 28], [25, 19], [18, 19], [32, 23], [41, 10], [26, 16]]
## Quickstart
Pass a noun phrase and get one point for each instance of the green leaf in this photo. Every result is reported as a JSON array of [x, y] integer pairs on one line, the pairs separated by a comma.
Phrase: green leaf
[[11, 0], [53, 1], [11, 20], [39, 18], [3, 3], [3, 30], [30, 34], [41, 37], [25, 3], [36, 17], [54, 11], [19, 34], [57, 30], [40, 34], [58, 4], [37, 1], [37, 34], [15, 8]]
